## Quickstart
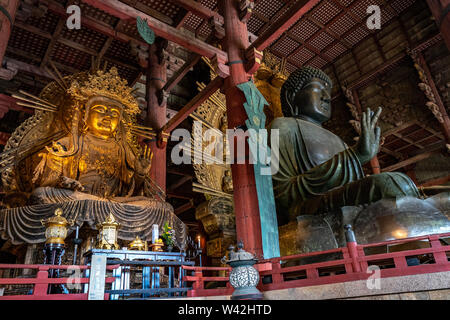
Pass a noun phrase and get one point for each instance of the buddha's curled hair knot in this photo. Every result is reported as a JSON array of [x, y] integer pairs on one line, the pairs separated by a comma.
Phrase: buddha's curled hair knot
[[296, 81]]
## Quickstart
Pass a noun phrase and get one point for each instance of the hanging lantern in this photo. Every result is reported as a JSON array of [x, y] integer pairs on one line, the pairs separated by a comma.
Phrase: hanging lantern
[[138, 244], [56, 228], [107, 236]]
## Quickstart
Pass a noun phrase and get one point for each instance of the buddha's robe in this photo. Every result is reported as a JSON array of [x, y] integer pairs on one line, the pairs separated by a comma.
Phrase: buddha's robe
[[105, 168], [319, 173]]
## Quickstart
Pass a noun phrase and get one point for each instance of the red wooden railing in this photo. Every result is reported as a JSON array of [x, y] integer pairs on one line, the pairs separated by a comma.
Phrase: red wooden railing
[[198, 279], [354, 263], [351, 266], [41, 282]]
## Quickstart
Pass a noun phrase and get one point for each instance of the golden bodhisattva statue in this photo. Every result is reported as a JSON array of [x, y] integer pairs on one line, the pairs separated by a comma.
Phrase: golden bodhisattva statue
[[96, 167]]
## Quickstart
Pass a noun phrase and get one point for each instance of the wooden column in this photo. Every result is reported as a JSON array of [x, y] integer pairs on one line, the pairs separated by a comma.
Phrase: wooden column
[[6, 25], [156, 78], [441, 12], [374, 163], [248, 225]]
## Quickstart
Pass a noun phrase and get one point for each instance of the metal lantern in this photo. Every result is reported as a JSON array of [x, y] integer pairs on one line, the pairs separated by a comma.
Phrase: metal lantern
[[243, 277], [107, 237], [56, 228], [138, 244]]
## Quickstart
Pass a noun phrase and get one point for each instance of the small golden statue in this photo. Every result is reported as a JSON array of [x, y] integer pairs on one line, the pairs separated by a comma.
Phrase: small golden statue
[[80, 152], [138, 244]]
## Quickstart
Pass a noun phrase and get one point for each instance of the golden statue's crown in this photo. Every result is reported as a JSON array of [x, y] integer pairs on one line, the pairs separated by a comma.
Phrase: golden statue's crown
[[107, 84]]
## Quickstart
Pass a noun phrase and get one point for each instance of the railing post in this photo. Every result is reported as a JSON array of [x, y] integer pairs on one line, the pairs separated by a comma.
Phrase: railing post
[[439, 257], [198, 284], [40, 288], [352, 247]]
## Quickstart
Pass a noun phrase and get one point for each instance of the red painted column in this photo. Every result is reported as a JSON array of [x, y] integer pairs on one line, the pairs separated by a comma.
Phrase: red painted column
[[156, 113], [248, 224], [5, 25], [441, 12]]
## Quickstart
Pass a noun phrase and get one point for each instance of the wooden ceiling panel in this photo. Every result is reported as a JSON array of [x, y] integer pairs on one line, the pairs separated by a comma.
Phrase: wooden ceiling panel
[[163, 7], [325, 11], [28, 42], [357, 35], [85, 37], [268, 8], [254, 24], [211, 4], [47, 23], [304, 29], [343, 24], [96, 14], [321, 41], [335, 51], [318, 62], [193, 22], [401, 5], [71, 57], [120, 51], [302, 56], [285, 46]]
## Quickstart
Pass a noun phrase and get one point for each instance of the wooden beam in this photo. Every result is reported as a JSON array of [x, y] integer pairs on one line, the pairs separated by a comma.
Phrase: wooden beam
[[299, 9], [25, 67], [180, 73], [182, 38], [59, 27], [436, 182], [179, 195], [201, 97], [185, 207], [179, 183]]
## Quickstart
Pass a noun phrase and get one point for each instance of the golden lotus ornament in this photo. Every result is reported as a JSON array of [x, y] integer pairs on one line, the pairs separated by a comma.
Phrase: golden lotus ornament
[[56, 228], [138, 244], [107, 236]]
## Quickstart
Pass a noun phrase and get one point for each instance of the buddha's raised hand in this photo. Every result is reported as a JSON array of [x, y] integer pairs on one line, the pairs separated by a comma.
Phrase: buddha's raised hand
[[369, 140], [144, 162]]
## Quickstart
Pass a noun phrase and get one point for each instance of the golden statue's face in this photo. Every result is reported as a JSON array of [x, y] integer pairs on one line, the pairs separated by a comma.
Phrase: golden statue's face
[[103, 120]]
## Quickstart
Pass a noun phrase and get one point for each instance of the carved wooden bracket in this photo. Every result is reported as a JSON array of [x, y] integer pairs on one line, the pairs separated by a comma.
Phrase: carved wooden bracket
[[219, 31], [141, 53], [425, 85], [246, 8], [220, 67], [162, 139], [162, 97], [161, 45], [254, 59]]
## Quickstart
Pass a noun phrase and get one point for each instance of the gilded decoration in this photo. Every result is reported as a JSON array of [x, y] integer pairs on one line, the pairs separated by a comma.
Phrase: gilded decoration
[[80, 152]]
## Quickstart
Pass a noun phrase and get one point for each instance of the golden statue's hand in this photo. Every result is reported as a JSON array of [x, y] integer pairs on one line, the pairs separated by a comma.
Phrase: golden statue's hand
[[144, 162], [68, 183]]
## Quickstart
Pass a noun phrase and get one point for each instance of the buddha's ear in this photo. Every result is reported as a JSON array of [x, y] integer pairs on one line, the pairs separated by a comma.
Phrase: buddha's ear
[[288, 98]]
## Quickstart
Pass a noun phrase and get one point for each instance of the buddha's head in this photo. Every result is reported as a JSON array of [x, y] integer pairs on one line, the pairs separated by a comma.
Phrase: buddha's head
[[307, 94], [103, 116]]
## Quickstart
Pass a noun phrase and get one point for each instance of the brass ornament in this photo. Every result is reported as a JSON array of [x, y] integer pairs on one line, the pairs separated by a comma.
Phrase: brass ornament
[[56, 228], [107, 236]]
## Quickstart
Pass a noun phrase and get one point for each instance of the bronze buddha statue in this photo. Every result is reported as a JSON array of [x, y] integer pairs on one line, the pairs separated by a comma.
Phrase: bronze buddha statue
[[318, 173]]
